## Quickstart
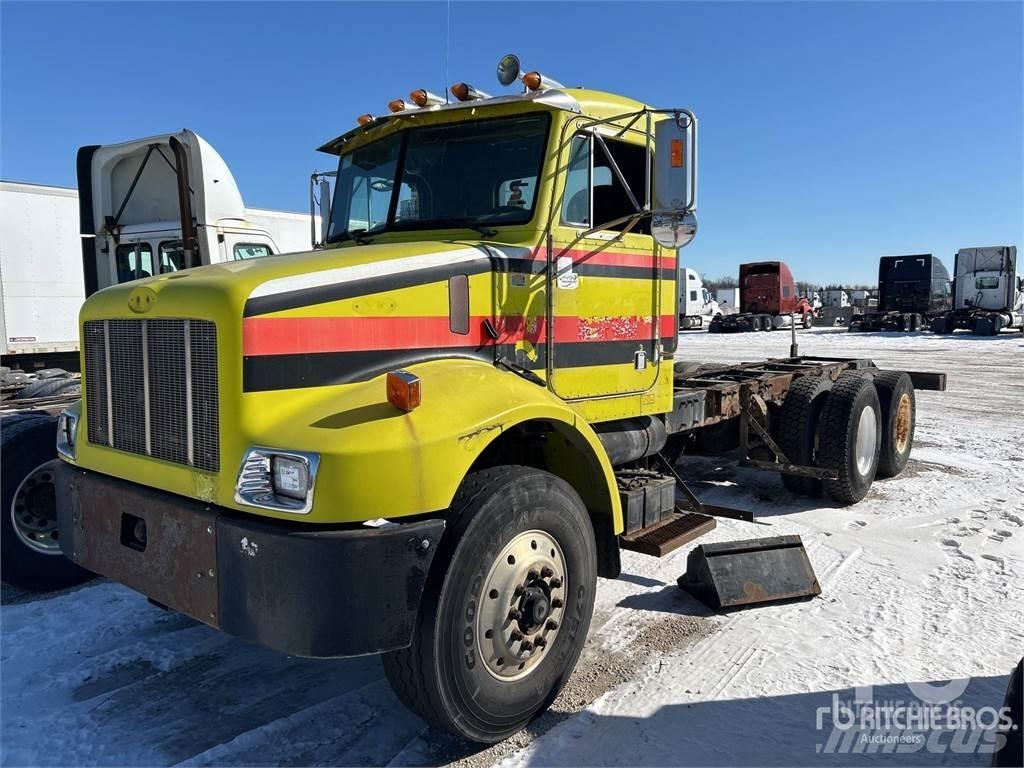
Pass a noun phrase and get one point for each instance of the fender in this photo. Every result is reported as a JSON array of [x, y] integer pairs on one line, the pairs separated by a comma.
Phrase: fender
[[377, 461]]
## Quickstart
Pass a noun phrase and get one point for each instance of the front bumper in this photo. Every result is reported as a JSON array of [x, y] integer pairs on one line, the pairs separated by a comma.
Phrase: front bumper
[[302, 589]]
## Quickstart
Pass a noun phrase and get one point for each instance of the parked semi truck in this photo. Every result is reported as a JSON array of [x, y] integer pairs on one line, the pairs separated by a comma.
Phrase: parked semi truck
[[696, 307], [429, 438], [768, 301], [43, 277], [58, 246], [911, 291], [988, 292]]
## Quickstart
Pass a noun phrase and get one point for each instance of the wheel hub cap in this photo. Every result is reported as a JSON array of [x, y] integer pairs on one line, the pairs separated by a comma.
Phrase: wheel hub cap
[[520, 605], [903, 423], [867, 434], [34, 510]]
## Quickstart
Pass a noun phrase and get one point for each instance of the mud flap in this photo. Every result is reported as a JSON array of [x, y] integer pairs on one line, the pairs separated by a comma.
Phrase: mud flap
[[750, 572]]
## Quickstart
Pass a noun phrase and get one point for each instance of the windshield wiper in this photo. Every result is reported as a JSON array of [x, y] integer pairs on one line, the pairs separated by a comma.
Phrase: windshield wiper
[[465, 222]]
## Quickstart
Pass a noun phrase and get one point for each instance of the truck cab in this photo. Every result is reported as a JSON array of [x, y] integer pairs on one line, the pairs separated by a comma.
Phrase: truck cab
[[429, 437], [158, 205], [695, 303]]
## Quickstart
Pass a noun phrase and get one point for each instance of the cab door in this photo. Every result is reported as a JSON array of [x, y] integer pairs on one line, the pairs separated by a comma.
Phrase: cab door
[[613, 306]]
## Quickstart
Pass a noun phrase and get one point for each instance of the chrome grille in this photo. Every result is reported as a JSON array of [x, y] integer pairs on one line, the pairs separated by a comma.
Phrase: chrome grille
[[151, 389]]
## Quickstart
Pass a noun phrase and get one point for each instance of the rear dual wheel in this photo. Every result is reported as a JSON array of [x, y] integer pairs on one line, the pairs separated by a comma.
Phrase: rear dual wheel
[[506, 608], [861, 426], [850, 437]]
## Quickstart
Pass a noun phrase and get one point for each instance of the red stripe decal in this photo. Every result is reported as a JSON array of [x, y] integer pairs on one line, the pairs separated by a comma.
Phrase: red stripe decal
[[309, 335]]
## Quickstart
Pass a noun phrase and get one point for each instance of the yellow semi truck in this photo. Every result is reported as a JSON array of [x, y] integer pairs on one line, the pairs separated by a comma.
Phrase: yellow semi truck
[[428, 438]]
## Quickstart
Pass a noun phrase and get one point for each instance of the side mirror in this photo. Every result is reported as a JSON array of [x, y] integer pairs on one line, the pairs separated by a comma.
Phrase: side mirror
[[325, 209], [673, 220]]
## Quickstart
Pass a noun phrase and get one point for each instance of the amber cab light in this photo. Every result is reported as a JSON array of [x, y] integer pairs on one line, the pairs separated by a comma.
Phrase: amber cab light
[[424, 98], [532, 80], [364, 119], [403, 390], [466, 92], [397, 105]]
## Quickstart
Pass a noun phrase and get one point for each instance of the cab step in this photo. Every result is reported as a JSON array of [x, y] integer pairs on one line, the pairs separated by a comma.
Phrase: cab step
[[667, 535]]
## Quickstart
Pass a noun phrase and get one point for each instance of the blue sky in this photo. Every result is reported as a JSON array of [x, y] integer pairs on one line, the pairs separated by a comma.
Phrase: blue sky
[[831, 133]]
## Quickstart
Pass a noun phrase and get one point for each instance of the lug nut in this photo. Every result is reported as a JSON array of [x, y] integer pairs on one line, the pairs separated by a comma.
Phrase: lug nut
[[556, 602], [546, 572], [532, 575], [516, 635], [540, 642], [552, 624], [526, 646], [555, 583], [514, 615]]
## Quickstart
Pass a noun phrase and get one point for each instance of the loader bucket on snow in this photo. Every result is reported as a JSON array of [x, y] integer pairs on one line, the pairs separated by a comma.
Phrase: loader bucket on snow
[[741, 573]]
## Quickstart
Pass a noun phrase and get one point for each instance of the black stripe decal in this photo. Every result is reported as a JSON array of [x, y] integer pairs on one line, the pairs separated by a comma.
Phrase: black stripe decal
[[305, 297], [263, 373]]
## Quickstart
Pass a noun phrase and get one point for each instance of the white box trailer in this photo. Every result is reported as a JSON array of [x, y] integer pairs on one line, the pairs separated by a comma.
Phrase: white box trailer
[[41, 285], [50, 259]]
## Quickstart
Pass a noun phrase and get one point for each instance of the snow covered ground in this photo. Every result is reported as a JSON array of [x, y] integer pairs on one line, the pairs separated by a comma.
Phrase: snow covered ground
[[921, 583]]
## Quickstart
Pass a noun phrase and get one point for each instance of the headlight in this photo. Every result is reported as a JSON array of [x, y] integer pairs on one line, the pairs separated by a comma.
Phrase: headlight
[[67, 429], [290, 476], [279, 480]]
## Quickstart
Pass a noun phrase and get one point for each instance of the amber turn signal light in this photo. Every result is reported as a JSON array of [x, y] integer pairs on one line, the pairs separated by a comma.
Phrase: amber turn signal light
[[403, 390], [365, 119], [397, 105]]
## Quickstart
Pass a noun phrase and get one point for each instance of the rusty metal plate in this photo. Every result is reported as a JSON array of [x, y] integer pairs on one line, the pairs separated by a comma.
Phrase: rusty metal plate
[[177, 566]]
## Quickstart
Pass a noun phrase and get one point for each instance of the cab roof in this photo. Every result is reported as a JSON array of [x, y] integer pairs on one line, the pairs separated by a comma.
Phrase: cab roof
[[583, 101]]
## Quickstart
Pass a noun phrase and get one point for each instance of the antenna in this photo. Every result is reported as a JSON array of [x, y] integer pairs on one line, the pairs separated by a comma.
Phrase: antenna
[[447, 46]]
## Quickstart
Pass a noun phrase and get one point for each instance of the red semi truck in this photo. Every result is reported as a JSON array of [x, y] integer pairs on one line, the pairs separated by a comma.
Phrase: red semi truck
[[768, 300]]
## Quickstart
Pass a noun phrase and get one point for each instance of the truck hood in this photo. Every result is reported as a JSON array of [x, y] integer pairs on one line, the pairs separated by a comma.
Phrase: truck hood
[[275, 283], [333, 316]]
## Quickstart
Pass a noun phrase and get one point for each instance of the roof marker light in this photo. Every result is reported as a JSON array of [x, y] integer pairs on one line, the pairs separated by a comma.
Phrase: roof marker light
[[365, 119], [424, 98], [466, 92], [400, 105], [535, 81]]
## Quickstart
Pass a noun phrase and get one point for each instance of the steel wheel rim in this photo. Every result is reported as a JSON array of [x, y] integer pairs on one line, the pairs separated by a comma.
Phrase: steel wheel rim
[[34, 510], [867, 435], [521, 605], [903, 423]]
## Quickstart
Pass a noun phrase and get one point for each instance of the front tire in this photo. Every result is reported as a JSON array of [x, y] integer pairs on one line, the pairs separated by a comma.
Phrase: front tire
[[506, 609], [31, 556]]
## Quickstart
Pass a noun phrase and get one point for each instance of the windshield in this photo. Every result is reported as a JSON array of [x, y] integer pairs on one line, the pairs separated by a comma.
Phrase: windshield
[[477, 173]]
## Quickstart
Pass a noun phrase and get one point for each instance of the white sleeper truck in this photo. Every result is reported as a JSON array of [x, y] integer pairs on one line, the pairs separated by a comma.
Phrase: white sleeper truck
[[988, 292], [143, 208], [696, 307]]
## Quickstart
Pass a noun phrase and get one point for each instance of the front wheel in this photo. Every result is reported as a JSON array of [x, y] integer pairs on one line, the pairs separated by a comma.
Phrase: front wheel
[[506, 609], [31, 554]]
